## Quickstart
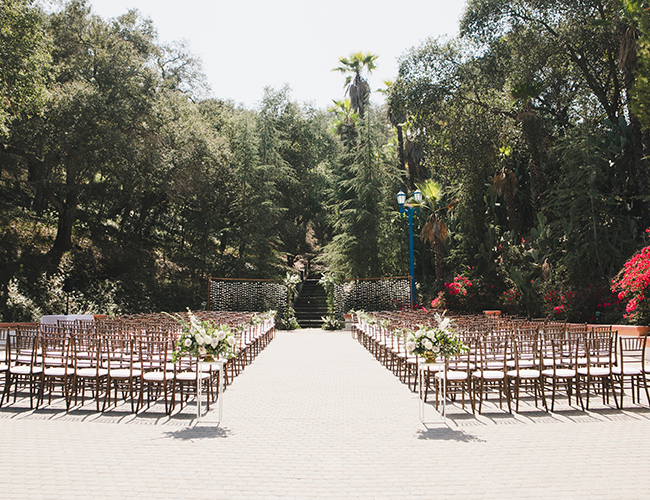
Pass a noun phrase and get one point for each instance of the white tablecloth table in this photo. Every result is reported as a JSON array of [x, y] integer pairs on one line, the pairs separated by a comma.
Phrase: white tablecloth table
[[53, 318]]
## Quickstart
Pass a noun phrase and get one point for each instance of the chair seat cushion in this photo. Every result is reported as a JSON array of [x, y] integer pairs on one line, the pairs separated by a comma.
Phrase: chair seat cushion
[[452, 375], [190, 376], [53, 361], [527, 374], [594, 371], [523, 363], [25, 370], [627, 370], [58, 371], [92, 372], [489, 375], [560, 373], [157, 376], [125, 373]]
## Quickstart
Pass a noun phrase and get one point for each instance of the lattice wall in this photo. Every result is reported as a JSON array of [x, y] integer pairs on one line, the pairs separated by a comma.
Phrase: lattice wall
[[383, 294], [249, 296]]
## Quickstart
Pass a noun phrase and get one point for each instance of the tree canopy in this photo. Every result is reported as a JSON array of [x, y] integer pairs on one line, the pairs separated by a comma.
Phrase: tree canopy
[[528, 133]]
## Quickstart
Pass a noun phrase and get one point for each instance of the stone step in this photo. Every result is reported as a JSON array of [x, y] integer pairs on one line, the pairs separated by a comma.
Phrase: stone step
[[311, 304]]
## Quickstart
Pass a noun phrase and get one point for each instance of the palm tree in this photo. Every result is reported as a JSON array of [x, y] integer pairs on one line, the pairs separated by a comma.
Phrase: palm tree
[[434, 231], [505, 184], [396, 117], [345, 123], [356, 85]]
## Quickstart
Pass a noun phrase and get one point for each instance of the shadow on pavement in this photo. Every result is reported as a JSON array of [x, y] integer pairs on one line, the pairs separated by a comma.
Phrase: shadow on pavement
[[198, 432], [447, 434]]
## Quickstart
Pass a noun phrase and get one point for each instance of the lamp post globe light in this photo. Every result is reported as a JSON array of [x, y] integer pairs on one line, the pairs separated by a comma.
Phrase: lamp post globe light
[[409, 210]]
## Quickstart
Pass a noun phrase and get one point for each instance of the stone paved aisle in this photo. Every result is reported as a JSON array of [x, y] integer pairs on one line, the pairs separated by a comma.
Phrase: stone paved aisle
[[316, 416]]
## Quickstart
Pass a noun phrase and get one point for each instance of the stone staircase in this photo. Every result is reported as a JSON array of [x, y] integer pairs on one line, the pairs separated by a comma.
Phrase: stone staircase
[[311, 304]]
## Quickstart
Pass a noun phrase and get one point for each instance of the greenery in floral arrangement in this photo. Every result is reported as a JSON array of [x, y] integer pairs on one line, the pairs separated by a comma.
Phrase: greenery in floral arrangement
[[399, 332], [291, 282], [440, 341], [367, 318], [259, 318], [330, 322], [204, 338], [328, 281], [288, 321]]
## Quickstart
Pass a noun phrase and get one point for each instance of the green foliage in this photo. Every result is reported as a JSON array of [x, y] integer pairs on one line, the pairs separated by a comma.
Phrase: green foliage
[[356, 84], [525, 98], [116, 170], [636, 11], [331, 322], [141, 184], [357, 210], [202, 338], [25, 61], [287, 321], [433, 342], [329, 281]]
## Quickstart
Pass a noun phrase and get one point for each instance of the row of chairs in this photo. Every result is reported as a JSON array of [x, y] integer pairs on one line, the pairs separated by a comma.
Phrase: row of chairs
[[80, 361], [516, 359]]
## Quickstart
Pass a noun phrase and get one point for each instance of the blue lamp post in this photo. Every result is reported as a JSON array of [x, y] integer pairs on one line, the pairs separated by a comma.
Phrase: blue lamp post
[[409, 210]]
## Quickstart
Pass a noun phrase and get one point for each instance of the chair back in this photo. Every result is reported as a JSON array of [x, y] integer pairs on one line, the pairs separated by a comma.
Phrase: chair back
[[600, 349], [492, 354], [564, 351], [55, 349], [631, 353]]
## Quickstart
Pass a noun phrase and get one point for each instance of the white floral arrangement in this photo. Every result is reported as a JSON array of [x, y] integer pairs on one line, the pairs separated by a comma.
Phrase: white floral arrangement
[[435, 342], [259, 318], [205, 339]]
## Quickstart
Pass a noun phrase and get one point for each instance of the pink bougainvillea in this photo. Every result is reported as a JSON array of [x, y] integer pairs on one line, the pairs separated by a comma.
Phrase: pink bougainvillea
[[632, 282], [511, 296], [459, 286]]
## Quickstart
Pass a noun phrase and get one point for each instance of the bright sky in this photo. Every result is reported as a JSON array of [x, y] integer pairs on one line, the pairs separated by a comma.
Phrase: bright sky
[[246, 45]]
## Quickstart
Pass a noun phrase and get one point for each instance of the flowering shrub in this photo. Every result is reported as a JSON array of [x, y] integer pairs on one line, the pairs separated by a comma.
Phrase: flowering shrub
[[559, 310], [631, 284], [591, 304], [509, 301], [459, 286], [457, 294], [204, 338], [440, 341], [439, 302], [511, 296]]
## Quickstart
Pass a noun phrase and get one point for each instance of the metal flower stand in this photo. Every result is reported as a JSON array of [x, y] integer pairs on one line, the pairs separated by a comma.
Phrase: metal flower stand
[[424, 369], [210, 366]]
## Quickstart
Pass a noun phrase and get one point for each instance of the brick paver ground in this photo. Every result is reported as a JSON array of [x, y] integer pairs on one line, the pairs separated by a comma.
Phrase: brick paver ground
[[316, 416]]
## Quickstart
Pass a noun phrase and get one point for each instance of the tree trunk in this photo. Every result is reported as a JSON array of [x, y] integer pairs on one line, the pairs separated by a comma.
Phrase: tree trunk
[[400, 148], [628, 63], [641, 150], [439, 264], [67, 216]]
